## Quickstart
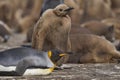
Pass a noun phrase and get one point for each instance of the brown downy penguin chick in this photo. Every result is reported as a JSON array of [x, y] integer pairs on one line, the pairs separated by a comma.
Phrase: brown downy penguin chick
[[47, 4], [100, 29], [88, 48], [5, 31], [52, 29], [116, 23]]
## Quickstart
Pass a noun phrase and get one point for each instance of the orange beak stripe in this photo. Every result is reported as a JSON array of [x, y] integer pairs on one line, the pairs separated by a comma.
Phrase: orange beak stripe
[[63, 54]]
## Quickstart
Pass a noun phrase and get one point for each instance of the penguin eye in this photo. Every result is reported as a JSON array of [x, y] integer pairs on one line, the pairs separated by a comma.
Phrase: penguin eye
[[60, 10]]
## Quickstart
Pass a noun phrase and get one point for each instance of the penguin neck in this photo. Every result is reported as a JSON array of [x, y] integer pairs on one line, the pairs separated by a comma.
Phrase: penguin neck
[[50, 56], [49, 53]]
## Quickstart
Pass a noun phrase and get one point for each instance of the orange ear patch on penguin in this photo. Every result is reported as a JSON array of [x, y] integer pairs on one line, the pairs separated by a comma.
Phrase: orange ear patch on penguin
[[49, 54]]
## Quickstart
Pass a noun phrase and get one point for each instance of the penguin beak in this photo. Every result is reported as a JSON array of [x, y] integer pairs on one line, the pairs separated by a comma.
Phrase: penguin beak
[[63, 54], [69, 9]]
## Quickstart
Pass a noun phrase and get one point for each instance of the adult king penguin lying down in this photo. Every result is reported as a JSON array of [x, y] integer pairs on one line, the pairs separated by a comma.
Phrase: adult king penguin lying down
[[27, 61]]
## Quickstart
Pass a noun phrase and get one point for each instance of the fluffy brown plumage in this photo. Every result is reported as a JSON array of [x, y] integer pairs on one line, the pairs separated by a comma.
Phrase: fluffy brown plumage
[[52, 29], [88, 48]]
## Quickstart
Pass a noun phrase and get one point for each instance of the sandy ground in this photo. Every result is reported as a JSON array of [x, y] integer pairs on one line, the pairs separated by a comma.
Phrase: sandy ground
[[76, 72]]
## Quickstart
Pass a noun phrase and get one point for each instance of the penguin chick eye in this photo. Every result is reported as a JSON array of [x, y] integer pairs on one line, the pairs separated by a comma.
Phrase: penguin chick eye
[[60, 10]]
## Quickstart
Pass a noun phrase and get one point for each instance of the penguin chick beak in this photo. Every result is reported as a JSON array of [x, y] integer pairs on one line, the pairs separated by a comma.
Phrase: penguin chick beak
[[63, 54], [69, 9]]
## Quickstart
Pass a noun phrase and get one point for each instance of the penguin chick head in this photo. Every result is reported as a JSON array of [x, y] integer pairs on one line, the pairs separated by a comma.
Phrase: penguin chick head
[[62, 10], [55, 55]]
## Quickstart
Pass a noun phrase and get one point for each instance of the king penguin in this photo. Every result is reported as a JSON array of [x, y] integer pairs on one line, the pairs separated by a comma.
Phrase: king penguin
[[27, 61]]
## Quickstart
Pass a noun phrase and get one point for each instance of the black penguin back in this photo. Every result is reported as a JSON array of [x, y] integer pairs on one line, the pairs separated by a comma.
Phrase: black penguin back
[[50, 4]]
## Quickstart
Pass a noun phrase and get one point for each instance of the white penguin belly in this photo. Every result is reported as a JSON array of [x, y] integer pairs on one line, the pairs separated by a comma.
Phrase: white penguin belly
[[10, 68]]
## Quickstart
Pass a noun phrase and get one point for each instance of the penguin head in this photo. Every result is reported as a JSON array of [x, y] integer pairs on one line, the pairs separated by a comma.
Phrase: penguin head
[[55, 55], [62, 10]]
